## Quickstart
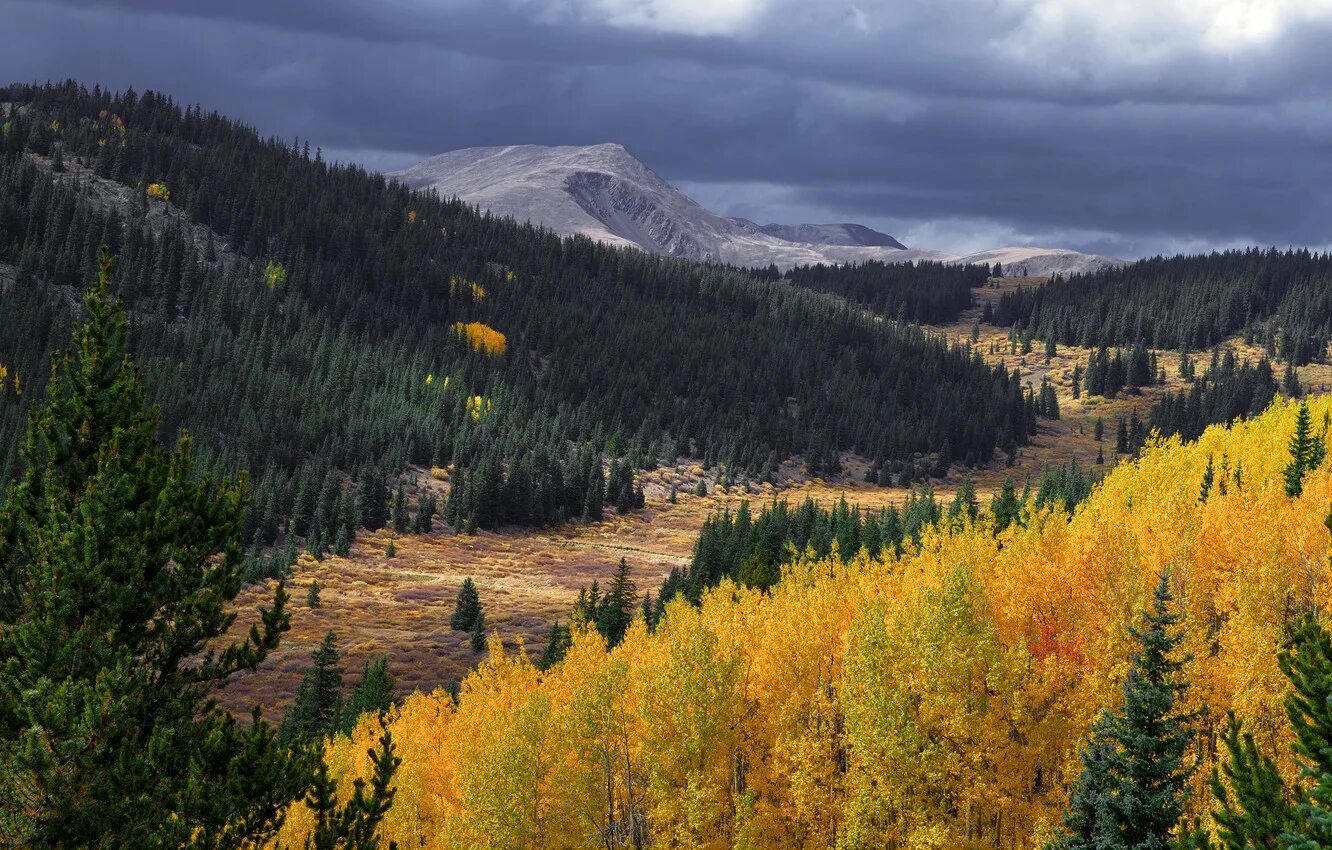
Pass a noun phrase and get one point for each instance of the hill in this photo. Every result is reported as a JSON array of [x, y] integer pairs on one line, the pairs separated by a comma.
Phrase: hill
[[322, 328]]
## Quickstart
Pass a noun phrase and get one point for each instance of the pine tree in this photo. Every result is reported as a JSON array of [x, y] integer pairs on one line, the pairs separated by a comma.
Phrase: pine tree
[[1306, 452], [373, 694], [1006, 508], [312, 599], [354, 825], [479, 631], [617, 607], [467, 608], [402, 520], [1208, 479], [1098, 431], [374, 501], [557, 645], [390, 550], [318, 706], [118, 566], [1134, 782]]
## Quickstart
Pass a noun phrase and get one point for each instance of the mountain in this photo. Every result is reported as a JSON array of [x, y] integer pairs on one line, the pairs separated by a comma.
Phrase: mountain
[[605, 193], [847, 234]]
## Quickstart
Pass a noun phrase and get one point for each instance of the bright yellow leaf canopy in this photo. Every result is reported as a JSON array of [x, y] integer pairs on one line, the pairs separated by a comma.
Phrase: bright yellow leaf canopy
[[936, 701]]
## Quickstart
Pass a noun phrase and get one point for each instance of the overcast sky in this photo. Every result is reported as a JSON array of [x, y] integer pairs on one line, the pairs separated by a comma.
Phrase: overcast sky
[[1127, 127]]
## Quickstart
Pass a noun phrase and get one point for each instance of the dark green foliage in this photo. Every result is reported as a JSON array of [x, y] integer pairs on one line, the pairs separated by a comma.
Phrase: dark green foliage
[[479, 632], [374, 501], [1307, 452], [467, 608], [752, 551], [1279, 299], [924, 291], [602, 342], [1254, 807], [373, 693], [557, 646], [1230, 390], [312, 598], [1134, 781], [613, 613], [317, 710], [1068, 485], [118, 567], [1005, 507], [354, 825]]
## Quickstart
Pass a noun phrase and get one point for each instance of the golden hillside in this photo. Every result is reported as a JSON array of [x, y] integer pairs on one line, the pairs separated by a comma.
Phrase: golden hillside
[[933, 701]]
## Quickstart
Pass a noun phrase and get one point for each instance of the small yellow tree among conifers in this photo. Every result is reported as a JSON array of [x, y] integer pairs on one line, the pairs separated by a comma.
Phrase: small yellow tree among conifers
[[481, 337], [937, 700]]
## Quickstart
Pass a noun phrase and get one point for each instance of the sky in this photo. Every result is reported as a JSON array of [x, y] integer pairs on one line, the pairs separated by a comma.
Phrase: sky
[[1122, 127]]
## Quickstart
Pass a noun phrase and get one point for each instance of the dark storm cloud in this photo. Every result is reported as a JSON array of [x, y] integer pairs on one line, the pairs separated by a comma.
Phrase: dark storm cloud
[[1112, 125]]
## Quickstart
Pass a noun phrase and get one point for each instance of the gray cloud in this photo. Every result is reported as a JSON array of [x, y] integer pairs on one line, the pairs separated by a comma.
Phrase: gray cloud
[[1107, 125]]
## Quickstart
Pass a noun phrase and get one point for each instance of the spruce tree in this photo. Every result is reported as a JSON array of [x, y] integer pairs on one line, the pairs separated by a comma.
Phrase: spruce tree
[[118, 566], [467, 607], [479, 632], [617, 607], [312, 599], [1131, 792], [318, 706], [557, 645], [1306, 452], [373, 694]]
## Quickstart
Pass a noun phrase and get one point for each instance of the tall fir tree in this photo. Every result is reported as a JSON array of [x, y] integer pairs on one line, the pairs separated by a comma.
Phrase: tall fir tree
[[1134, 781], [118, 567], [466, 608], [318, 706]]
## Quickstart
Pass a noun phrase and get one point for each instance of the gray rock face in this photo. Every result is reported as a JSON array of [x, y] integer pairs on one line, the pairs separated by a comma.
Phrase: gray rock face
[[603, 192]]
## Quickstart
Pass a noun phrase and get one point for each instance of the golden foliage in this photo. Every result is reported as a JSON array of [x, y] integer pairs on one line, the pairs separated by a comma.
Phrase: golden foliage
[[275, 274], [478, 406], [477, 291], [159, 191], [411, 216], [481, 336], [936, 700]]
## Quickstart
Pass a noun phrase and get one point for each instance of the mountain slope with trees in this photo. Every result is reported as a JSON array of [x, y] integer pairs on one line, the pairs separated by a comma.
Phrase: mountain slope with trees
[[314, 325]]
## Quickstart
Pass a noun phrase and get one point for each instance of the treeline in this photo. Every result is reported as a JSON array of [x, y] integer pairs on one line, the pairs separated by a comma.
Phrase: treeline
[[921, 291], [328, 319], [1227, 390], [1281, 300]]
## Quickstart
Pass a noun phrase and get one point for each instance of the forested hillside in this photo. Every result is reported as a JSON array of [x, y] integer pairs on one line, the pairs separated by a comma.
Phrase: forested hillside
[[315, 325], [923, 291], [936, 699], [1280, 299]]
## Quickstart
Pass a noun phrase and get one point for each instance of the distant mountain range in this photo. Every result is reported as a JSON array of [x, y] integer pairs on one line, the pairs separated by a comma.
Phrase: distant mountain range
[[603, 192]]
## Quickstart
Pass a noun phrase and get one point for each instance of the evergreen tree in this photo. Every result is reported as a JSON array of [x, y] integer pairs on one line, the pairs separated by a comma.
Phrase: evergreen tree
[[354, 825], [390, 550], [373, 694], [374, 501], [1208, 479], [557, 645], [1306, 452], [402, 520], [467, 608], [1131, 792], [479, 632], [118, 566], [1005, 507], [318, 706], [617, 607], [312, 599]]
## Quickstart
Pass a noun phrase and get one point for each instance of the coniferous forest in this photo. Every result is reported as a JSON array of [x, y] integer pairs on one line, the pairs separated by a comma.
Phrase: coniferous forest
[[1281, 300], [313, 324]]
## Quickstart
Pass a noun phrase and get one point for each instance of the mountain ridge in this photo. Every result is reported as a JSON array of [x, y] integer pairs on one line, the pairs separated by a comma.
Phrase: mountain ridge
[[605, 193]]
